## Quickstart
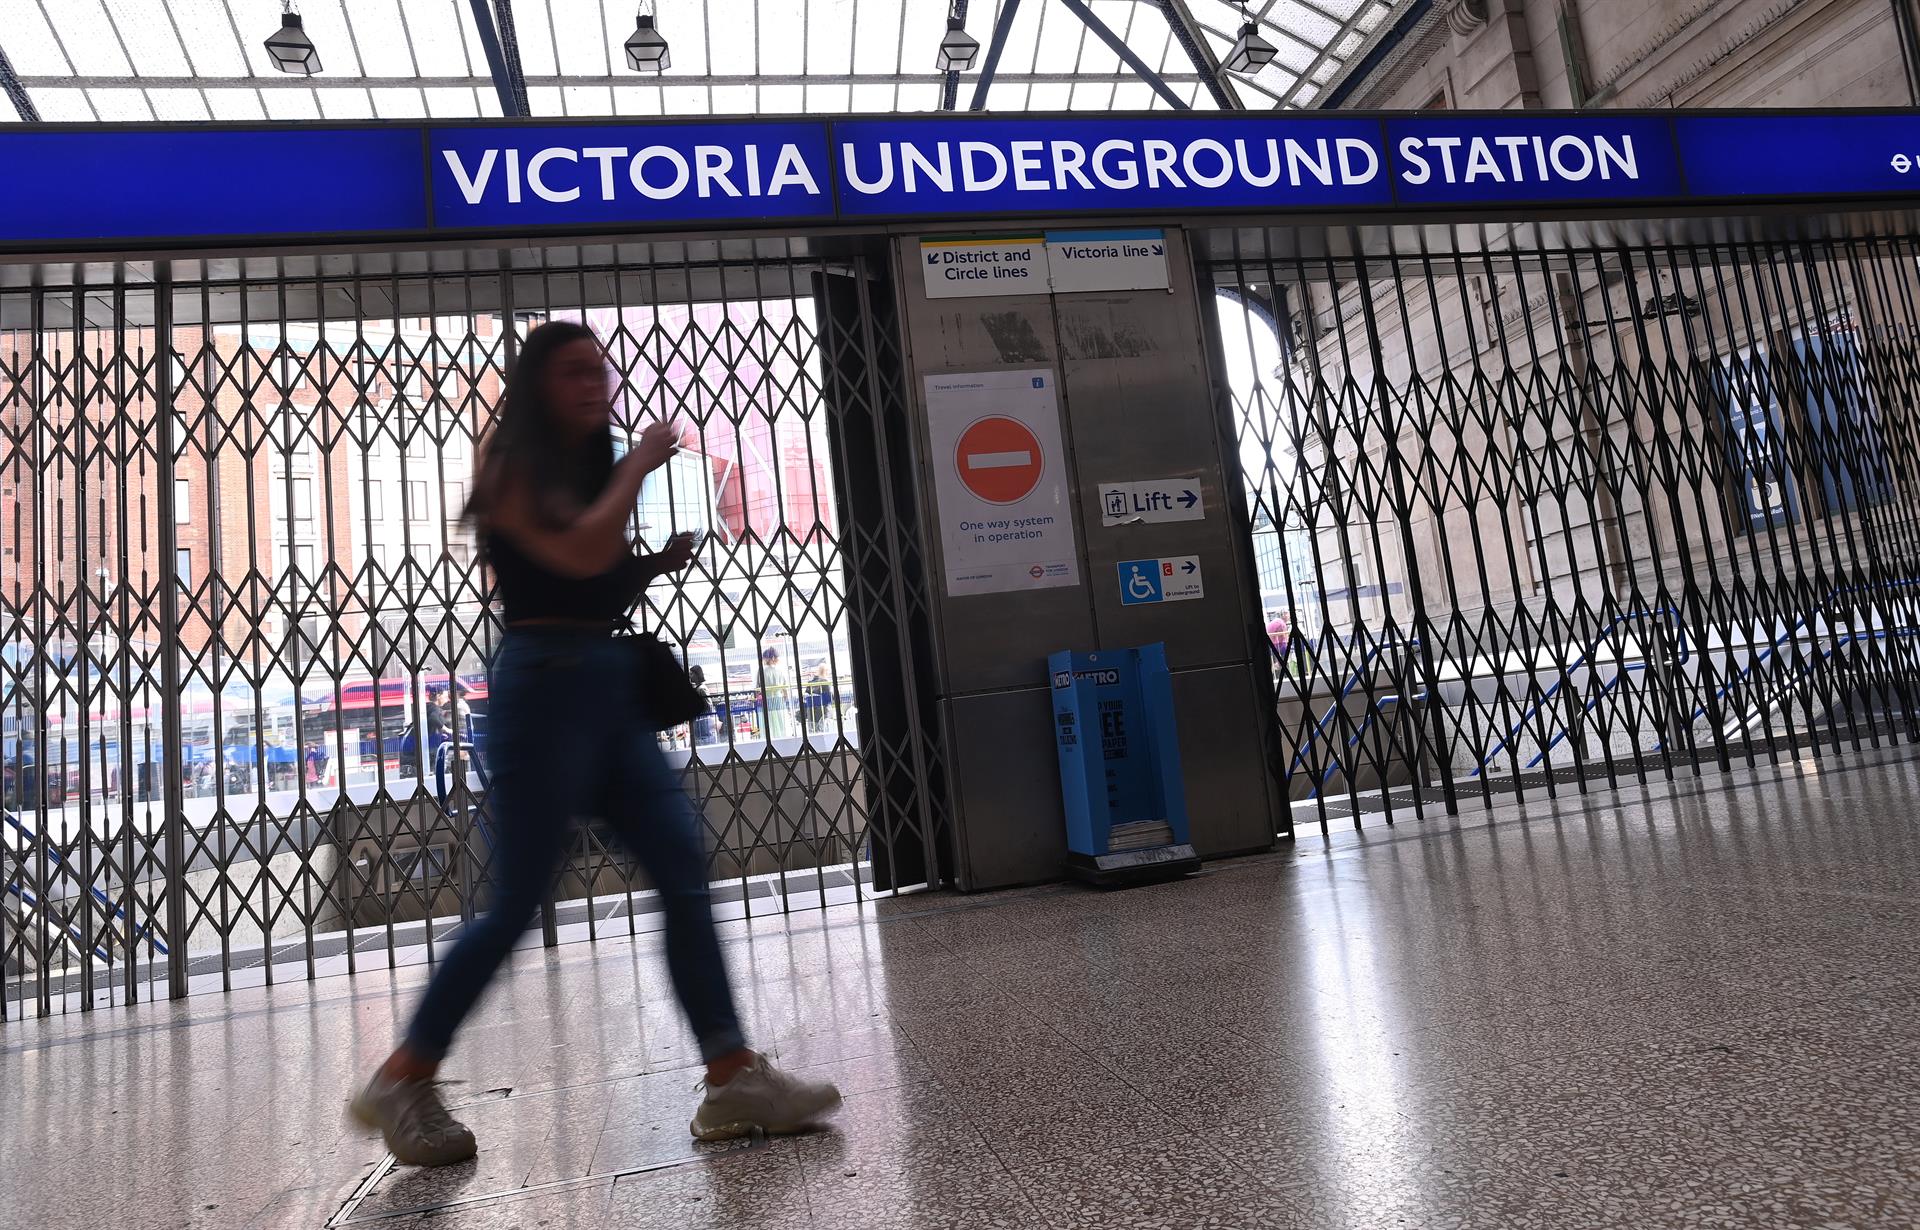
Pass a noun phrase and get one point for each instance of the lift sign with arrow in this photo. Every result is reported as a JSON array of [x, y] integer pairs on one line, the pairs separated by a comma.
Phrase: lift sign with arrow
[[1152, 500]]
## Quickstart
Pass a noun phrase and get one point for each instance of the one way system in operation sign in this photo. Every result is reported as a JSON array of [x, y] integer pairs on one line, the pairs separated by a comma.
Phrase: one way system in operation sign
[[1152, 500], [1000, 480]]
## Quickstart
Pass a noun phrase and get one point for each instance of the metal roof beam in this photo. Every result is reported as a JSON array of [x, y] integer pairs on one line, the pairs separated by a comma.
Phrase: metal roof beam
[[998, 44], [10, 82], [1186, 31], [1354, 74], [559, 79], [1119, 47], [503, 55], [1327, 53]]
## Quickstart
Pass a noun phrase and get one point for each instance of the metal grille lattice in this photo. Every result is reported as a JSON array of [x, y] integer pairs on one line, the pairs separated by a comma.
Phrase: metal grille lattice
[[245, 636], [1532, 518]]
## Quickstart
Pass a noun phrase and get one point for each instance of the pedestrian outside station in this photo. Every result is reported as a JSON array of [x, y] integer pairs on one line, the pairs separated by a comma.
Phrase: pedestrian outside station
[[1499, 414]]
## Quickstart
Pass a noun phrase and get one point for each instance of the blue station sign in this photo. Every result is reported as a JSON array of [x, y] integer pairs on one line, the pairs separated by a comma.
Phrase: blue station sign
[[202, 184]]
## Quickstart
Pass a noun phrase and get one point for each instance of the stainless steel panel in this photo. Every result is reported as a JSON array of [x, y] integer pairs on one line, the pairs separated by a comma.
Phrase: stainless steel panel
[[1006, 789], [1230, 807]]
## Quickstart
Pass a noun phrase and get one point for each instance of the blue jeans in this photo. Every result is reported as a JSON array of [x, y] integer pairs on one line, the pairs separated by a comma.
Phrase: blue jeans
[[566, 738]]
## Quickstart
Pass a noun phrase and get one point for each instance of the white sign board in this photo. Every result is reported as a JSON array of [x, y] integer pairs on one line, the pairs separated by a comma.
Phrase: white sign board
[[991, 265], [1151, 501], [1107, 260], [1066, 261], [1175, 578], [1000, 481]]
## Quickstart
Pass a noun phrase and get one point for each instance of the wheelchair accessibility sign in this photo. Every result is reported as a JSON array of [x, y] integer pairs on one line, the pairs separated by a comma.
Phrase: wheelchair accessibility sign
[[1174, 579]]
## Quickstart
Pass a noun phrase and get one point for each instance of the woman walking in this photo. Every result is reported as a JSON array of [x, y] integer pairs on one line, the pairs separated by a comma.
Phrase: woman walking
[[565, 731]]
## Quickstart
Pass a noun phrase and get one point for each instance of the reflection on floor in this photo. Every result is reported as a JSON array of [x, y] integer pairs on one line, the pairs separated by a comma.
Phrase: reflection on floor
[[1691, 1005]]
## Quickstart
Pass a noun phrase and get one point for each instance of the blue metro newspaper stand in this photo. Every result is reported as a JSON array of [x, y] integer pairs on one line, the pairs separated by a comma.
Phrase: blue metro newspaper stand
[[1126, 802]]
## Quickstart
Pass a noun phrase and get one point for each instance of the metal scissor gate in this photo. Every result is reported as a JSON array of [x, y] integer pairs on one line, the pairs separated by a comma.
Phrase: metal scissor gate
[[1533, 505], [1531, 515], [244, 633]]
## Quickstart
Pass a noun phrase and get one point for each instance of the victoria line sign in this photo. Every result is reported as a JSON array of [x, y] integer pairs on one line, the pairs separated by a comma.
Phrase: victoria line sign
[[97, 187]]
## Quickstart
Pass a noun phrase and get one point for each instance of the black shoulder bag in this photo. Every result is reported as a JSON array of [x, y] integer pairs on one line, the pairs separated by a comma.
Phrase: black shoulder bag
[[667, 696]]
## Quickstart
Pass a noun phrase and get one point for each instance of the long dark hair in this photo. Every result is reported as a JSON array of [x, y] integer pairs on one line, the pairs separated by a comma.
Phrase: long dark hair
[[525, 444]]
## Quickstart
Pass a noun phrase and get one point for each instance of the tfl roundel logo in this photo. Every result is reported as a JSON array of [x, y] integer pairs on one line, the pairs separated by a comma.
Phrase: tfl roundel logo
[[1036, 572]]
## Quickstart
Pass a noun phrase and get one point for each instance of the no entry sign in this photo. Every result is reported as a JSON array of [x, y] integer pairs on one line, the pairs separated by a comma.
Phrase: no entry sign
[[999, 459], [1006, 516]]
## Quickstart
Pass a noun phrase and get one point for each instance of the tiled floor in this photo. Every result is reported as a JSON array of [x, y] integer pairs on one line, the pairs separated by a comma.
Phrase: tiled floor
[[1693, 1005]]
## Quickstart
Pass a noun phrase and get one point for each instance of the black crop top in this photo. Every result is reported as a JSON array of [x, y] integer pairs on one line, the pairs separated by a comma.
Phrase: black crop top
[[529, 590]]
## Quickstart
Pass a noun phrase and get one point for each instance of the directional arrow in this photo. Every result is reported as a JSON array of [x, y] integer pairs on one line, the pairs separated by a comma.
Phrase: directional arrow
[[933, 258], [1189, 567], [1188, 499], [1159, 249]]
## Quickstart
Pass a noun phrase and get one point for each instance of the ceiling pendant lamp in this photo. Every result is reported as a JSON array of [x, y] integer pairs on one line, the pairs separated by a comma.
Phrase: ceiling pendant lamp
[[290, 48], [1250, 53], [646, 49], [957, 47]]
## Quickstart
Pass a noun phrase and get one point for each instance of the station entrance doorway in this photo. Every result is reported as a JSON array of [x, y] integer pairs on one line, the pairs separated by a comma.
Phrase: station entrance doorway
[[244, 687]]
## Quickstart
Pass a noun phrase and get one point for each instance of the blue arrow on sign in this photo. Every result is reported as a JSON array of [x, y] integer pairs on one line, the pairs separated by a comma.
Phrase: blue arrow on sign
[[933, 258], [1159, 249], [1189, 567], [1188, 499]]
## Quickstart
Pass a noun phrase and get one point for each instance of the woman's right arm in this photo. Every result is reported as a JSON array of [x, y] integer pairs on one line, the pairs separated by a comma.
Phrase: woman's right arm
[[595, 540]]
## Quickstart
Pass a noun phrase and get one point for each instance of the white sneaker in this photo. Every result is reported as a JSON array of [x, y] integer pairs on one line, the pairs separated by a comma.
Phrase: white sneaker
[[762, 1098], [413, 1120]]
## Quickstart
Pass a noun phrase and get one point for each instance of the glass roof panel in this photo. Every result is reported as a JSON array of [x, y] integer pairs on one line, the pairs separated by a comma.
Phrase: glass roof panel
[[877, 45], [235, 104], [781, 50], [1061, 40], [782, 99], [343, 104], [684, 98], [733, 100], [398, 103], [734, 37], [829, 37], [183, 104], [289, 104], [205, 28], [31, 45], [873, 99], [439, 40], [584, 39], [918, 98], [636, 100], [381, 38], [450, 102], [120, 105], [83, 59], [1051, 96], [535, 35], [919, 31], [161, 54], [88, 38], [593, 100], [64, 104]]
